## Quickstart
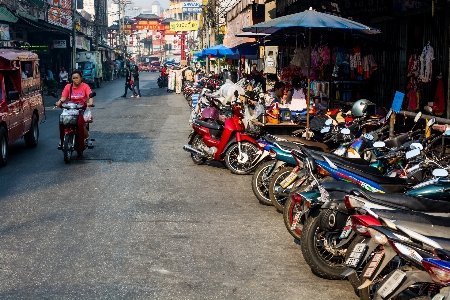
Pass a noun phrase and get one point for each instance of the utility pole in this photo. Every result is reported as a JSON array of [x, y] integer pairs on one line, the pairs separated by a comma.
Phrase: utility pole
[[74, 34]]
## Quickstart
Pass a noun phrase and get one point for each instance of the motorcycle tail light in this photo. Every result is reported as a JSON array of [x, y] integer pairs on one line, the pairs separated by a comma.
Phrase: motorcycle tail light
[[439, 270], [272, 153], [352, 203], [322, 171], [361, 223], [296, 199], [378, 237]]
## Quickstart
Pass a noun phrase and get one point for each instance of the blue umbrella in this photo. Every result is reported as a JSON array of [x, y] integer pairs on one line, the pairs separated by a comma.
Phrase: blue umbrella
[[199, 54], [219, 51], [313, 20], [310, 19]]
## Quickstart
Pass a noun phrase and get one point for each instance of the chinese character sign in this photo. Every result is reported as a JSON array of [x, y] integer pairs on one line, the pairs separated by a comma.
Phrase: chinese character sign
[[184, 26]]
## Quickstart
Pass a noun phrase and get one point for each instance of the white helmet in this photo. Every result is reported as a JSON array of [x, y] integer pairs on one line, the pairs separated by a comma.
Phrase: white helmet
[[362, 108]]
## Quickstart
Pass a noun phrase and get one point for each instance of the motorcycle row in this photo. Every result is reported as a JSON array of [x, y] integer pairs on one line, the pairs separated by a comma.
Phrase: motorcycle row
[[364, 206]]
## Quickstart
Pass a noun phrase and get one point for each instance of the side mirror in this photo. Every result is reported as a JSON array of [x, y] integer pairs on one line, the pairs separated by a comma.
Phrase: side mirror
[[368, 136], [416, 146], [328, 122], [325, 129], [13, 95], [379, 145], [345, 131], [419, 114], [428, 109], [440, 173], [431, 122], [92, 95], [412, 153]]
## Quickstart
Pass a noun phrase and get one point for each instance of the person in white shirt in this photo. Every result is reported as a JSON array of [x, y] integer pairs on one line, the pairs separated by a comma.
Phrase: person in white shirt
[[63, 77]]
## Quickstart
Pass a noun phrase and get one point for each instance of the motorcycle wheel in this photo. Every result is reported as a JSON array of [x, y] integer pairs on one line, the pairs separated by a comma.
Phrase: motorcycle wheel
[[244, 167], [261, 180], [279, 200], [68, 144], [198, 160], [315, 252]]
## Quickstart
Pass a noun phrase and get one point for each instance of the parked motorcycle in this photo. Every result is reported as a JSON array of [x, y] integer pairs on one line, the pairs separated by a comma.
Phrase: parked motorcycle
[[227, 142]]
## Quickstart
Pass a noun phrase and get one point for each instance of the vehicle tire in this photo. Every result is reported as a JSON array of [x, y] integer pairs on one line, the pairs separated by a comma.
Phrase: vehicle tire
[[289, 212], [249, 151], [3, 147], [32, 137], [279, 200], [323, 262], [198, 160], [261, 180], [68, 147]]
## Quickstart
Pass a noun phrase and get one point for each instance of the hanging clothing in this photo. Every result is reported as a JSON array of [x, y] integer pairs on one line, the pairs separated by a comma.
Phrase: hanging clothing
[[412, 94], [426, 61], [298, 101], [439, 101], [369, 65]]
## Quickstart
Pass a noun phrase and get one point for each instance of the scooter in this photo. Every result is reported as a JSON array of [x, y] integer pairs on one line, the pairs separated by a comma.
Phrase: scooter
[[71, 129], [228, 143]]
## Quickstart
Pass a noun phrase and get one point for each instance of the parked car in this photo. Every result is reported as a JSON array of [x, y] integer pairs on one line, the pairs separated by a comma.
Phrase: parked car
[[21, 106]]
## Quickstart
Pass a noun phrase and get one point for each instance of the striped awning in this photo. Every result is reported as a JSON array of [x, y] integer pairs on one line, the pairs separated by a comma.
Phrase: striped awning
[[7, 16]]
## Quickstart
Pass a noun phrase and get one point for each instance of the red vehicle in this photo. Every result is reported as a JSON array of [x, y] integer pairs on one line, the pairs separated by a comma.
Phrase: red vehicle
[[155, 67], [228, 143], [21, 106], [71, 129]]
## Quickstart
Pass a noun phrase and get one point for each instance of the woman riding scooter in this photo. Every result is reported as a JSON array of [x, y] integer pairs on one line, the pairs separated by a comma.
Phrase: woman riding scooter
[[77, 92]]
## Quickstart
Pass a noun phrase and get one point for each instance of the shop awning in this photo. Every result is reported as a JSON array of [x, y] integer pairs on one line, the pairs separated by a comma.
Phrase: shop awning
[[246, 49], [7, 16], [27, 16]]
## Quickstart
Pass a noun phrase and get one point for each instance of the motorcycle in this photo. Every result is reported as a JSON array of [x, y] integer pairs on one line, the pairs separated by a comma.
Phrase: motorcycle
[[71, 129], [228, 143], [162, 81]]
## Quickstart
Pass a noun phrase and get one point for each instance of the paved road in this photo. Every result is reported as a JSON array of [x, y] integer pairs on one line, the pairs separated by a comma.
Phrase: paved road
[[134, 218]]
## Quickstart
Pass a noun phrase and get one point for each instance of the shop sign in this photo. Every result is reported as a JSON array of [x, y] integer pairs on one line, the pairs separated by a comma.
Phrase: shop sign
[[38, 49], [358, 8], [234, 27], [141, 25], [4, 32], [60, 13], [83, 43], [191, 7], [184, 26], [59, 44]]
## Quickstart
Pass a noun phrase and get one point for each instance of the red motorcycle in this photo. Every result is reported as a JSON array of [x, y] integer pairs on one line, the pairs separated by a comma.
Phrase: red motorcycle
[[71, 123], [228, 143]]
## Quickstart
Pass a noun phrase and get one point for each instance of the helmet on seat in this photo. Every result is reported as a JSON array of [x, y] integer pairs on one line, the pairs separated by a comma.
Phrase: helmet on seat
[[363, 108]]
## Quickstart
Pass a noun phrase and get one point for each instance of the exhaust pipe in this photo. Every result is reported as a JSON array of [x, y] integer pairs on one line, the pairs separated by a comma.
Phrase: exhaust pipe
[[192, 150], [279, 191]]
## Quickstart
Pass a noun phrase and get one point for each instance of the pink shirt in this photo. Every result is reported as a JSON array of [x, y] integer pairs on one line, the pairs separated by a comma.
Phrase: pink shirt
[[79, 94]]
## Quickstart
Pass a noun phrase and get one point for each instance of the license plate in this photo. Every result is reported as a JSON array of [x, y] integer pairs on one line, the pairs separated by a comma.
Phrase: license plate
[[347, 229], [290, 179], [372, 266], [355, 256], [393, 282], [295, 221]]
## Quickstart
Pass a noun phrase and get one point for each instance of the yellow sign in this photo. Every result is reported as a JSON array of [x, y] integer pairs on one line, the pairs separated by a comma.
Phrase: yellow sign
[[184, 26]]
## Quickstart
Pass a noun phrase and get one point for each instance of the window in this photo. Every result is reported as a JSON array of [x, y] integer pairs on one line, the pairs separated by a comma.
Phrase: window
[[26, 68]]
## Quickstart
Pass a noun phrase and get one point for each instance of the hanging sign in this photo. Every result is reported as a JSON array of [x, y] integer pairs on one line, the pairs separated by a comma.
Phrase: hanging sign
[[59, 44], [192, 7], [398, 101], [184, 26]]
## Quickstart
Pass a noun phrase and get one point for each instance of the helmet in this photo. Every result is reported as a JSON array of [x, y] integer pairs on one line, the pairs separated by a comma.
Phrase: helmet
[[363, 108]]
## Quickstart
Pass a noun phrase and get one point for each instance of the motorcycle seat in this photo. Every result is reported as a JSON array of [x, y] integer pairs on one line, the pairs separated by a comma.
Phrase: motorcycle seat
[[360, 167], [212, 96], [208, 125], [288, 146], [427, 225], [307, 143]]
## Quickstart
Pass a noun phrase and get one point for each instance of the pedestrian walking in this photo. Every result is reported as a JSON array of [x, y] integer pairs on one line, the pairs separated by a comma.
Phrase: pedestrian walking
[[63, 77], [171, 80], [136, 90], [127, 81], [179, 80], [189, 75]]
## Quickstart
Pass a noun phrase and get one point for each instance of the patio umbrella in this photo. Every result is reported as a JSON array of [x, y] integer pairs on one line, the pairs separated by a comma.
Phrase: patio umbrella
[[219, 51], [199, 54], [310, 19]]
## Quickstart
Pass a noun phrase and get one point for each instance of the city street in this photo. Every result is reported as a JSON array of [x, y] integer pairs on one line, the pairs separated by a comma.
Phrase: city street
[[135, 218]]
